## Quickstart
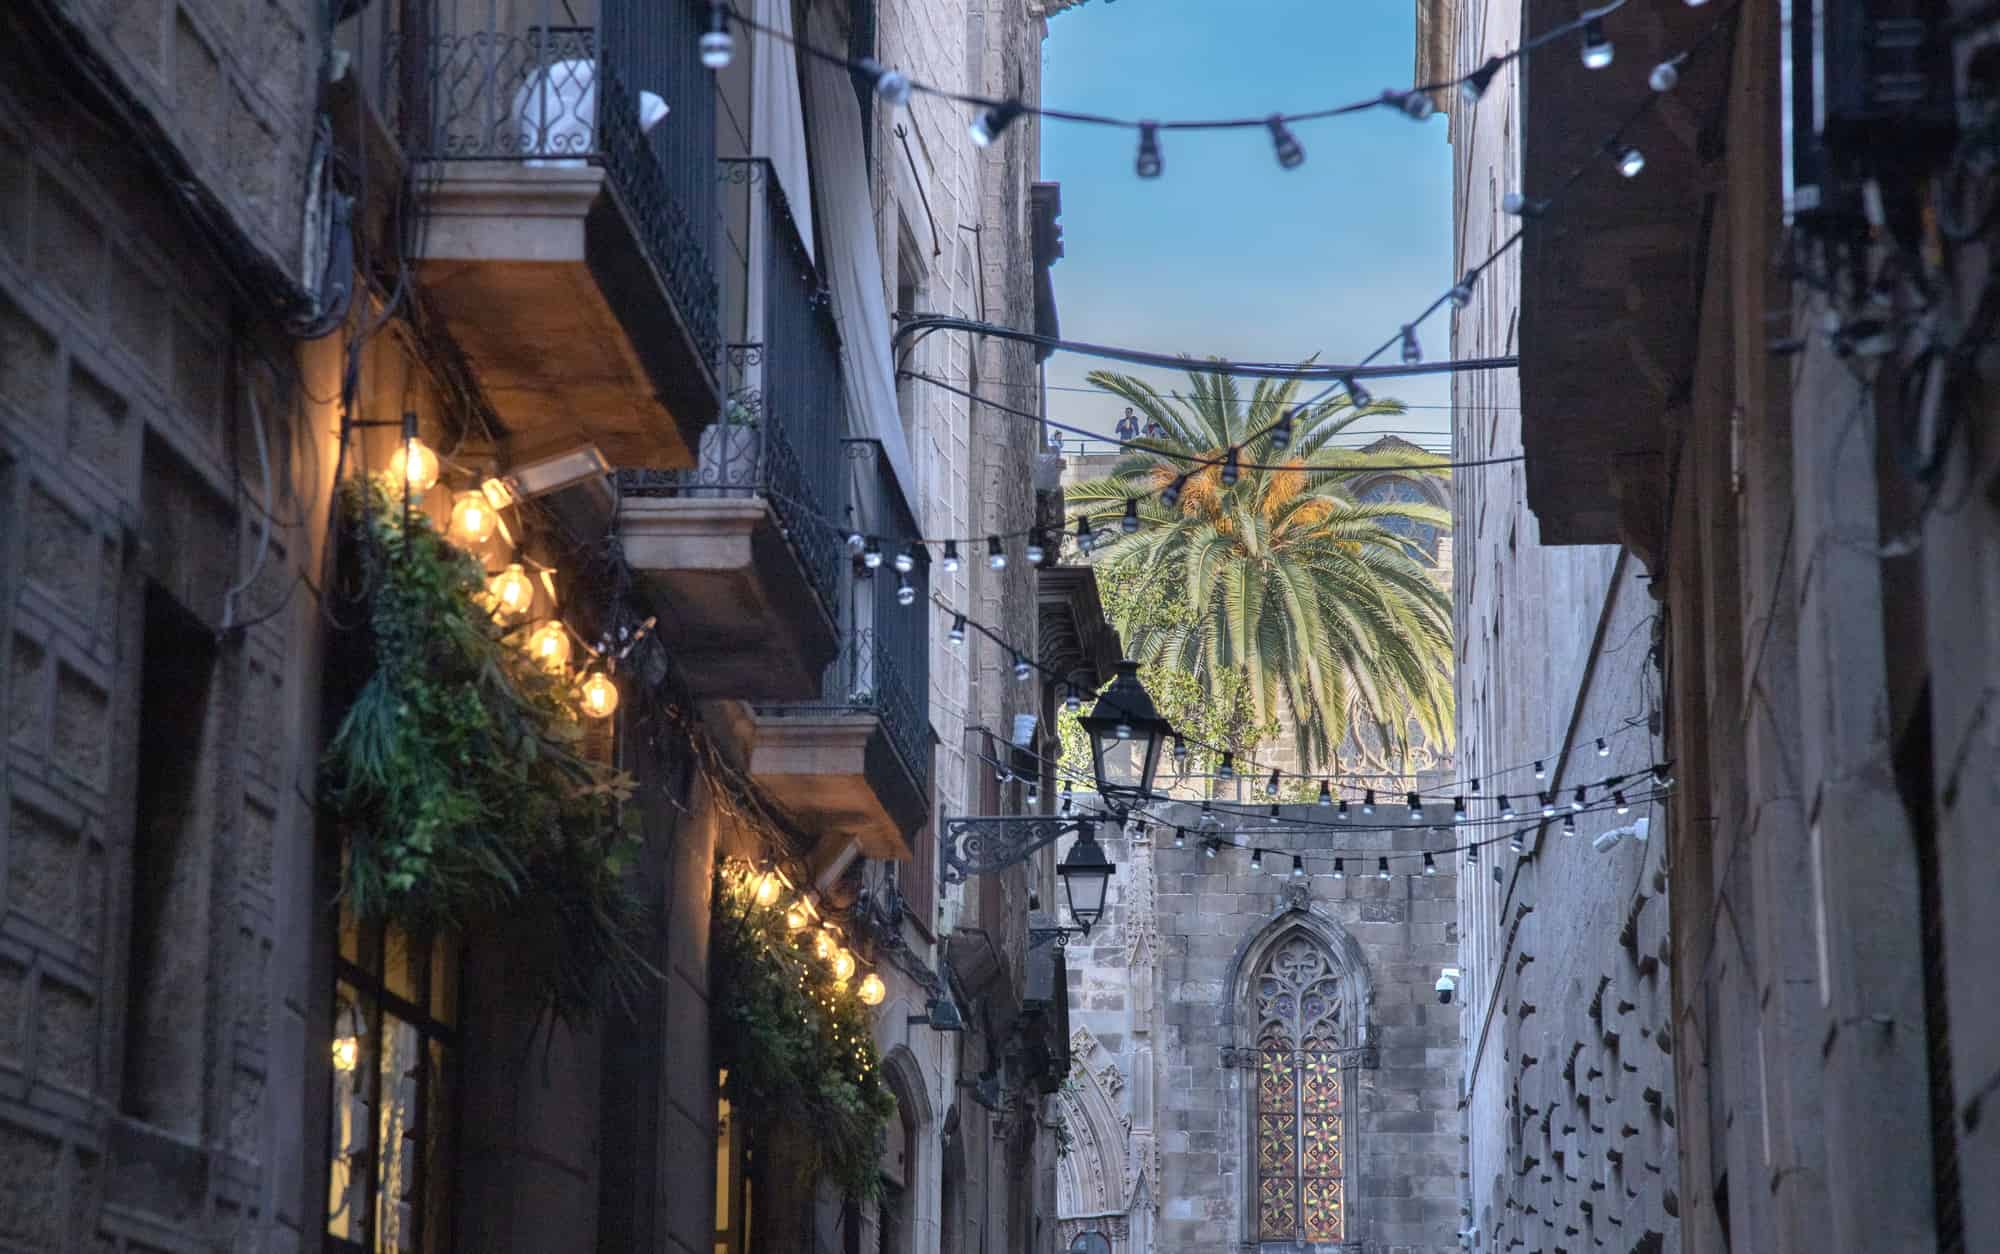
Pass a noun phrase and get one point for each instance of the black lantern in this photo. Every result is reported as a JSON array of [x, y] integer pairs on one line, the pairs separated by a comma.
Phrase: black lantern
[[1086, 874], [1126, 734]]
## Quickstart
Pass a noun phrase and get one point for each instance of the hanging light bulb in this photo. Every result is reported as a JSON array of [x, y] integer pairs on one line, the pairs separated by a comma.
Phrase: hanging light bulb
[[1340, 814], [893, 86], [1281, 433], [906, 561], [1461, 292], [871, 554], [1130, 523], [1548, 800], [1257, 859], [1284, 143], [1072, 699], [1569, 825], [1576, 801], [600, 695], [1068, 797], [1271, 784], [1416, 105], [717, 48], [996, 557], [1430, 865], [1472, 855], [1368, 801], [855, 543], [1619, 803], [1298, 867], [991, 121], [1180, 838], [957, 633], [1665, 76], [870, 991], [1416, 808], [1630, 162], [414, 463], [1085, 539], [1514, 843], [549, 646], [768, 888], [797, 916], [1180, 752], [1458, 809], [1325, 794], [1271, 815], [1228, 768], [950, 561], [1033, 796], [1663, 776], [472, 519], [1358, 396], [1603, 749], [1475, 84], [1506, 807], [1035, 552], [1149, 164], [1021, 668], [1209, 847], [906, 592], [1597, 48], [512, 591], [1170, 495], [843, 964], [1340, 868], [1381, 868], [1413, 352], [1540, 771], [1514, 204], [1232, 466], [823, 946]]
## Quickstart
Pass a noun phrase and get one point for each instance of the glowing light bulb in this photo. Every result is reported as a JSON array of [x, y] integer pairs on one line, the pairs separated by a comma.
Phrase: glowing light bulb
[[472, 519], [843, 964], [872, 990], [416, 464], [346, 1053], [513, 592], [549, 646], [1630, 162], [600, 695], [1597, 50], [768, 889], [823, 946]]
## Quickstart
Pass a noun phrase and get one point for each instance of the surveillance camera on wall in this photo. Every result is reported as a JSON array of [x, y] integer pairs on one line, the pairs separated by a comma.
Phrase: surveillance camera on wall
[[1447, 985]]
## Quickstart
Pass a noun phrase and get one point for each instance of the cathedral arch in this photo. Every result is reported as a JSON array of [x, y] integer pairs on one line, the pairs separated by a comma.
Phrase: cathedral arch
[[1092, 1186]]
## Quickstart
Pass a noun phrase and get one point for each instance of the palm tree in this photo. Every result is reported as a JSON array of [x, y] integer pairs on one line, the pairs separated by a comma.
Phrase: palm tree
[[1291, 580]]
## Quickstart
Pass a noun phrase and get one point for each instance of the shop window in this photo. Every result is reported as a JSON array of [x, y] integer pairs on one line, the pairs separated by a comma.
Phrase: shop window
[[395, 1020]]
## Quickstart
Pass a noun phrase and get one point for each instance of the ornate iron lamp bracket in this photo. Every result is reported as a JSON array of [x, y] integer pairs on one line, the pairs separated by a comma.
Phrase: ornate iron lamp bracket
[[979, 846]]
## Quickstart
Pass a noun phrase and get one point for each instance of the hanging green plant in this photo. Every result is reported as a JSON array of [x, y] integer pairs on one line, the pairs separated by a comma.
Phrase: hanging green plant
[[457, 772], [798, 1044]]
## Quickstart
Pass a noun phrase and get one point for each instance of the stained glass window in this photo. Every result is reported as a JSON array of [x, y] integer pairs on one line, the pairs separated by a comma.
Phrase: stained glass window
[[1300, 1147]]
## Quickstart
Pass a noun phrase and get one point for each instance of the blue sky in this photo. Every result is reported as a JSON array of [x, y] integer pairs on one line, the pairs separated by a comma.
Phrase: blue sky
[[1225, 253]]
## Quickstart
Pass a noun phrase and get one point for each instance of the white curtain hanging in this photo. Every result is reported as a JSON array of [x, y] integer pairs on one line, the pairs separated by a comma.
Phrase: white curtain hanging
[[853, 264], [777, 121]]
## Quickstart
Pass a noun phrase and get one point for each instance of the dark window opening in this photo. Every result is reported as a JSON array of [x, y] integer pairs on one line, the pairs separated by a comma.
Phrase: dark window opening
[[163, 1068]]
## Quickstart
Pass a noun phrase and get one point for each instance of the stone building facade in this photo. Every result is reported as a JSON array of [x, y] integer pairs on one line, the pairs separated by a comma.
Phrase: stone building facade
[[1819, 656], [239, 243], [1258, 1058]]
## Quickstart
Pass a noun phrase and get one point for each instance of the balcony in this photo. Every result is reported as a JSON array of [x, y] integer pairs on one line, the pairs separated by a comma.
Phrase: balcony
[[563, 154], [743, 548], [858, 758]]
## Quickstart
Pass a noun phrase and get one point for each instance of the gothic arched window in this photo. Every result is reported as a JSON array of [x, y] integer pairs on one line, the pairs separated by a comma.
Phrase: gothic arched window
[[1300, 1149]]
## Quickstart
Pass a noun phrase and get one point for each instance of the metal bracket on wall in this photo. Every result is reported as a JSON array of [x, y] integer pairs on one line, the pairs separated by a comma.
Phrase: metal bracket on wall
[[978, 846]]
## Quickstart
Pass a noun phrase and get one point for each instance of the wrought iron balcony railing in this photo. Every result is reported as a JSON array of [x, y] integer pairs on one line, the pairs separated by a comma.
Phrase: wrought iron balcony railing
[[785, 410], [535, 81]]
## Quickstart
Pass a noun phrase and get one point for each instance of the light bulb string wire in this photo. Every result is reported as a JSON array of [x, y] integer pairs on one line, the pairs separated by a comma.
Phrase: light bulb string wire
[[1390, 98], [1607, 785]]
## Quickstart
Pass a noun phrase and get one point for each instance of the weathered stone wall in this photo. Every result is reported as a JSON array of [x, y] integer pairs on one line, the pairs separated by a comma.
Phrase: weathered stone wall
[[1159, 994]]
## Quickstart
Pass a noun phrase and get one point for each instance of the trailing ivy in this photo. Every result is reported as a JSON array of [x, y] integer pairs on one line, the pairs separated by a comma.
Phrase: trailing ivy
[[458, 777], [799, 1048]]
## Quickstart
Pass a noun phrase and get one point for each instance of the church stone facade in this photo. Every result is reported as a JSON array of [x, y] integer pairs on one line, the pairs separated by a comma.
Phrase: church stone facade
[[1259, 1059]]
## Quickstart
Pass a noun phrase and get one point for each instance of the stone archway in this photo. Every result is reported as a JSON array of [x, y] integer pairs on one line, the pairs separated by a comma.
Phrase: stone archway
[[1093, 1179]]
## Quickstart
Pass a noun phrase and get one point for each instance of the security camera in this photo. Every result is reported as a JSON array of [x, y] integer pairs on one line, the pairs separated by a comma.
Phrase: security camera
[[1447, 985]]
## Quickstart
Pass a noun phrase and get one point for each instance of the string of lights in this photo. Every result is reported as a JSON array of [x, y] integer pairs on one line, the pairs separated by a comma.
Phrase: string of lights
[[1627, 160], [1463, 793], [993, 115]]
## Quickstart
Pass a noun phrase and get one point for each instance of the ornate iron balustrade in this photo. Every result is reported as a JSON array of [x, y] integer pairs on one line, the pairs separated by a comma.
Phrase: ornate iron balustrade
[[779, 437], [521, 80]]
